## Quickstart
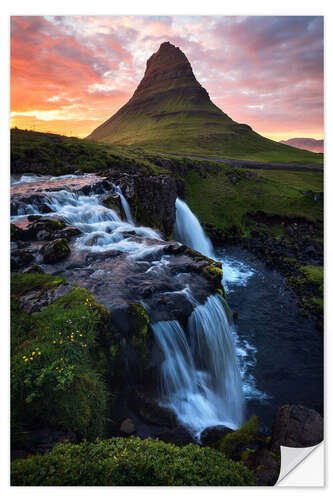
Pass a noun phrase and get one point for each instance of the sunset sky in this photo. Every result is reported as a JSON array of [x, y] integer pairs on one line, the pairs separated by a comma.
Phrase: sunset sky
[[69, 74]]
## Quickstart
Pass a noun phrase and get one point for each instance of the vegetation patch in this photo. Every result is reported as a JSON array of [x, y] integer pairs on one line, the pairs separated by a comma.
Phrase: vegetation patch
[[130, 462], [57, 377]]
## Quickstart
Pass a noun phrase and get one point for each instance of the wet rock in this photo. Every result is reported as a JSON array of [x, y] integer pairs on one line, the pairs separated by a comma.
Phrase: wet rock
[[213, 434], [55, 250], [43, 230], [178, 436], [68, 233], [20, 258], [18, 234], [148, 408], [127, 427], [265, 466], [35, 300], [296, 426], [34, 269]]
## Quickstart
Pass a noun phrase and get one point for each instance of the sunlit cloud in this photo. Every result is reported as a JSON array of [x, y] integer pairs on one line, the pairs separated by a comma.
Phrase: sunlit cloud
[[264, 71]]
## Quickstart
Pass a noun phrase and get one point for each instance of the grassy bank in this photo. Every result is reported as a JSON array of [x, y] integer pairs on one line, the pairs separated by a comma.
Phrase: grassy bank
[[226, 199]]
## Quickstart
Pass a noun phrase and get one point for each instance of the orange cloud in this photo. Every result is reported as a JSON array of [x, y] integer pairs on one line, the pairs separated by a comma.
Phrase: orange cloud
[[69, 74]]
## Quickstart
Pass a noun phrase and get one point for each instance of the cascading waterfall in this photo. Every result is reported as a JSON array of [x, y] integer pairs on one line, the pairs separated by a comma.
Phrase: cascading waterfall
[[124, 204], [200, 376], [102, 229], [188, 230]]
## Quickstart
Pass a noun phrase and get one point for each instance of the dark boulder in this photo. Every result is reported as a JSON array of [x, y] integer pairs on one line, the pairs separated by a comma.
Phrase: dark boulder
[[212, 434], [43, 229], [149, 410], [19, 234], [20, 258], [296, 426], [55, 250], [34, 269], [178, 436], [265, 465], [127, 427]]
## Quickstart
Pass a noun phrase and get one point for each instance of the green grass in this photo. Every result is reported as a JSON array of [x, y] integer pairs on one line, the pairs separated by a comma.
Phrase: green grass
[[58, 155], [130, 462], [225, 205]]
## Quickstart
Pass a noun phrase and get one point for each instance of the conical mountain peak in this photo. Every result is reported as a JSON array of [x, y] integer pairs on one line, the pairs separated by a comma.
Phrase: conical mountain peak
[[170, 111], [169, 63]]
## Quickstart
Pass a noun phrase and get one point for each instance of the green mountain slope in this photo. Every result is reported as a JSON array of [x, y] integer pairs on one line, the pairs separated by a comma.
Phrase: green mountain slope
[[170, 111]]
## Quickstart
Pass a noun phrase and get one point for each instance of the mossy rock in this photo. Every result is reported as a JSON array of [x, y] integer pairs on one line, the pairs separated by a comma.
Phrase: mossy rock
[[139, 336], [235, 443], [55, 250]]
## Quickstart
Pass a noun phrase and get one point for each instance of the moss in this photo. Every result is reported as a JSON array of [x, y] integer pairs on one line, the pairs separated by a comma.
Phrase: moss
[[55, 250], [22, 282], [221, 292], [246, 453], [197, 256], [232, 442], [139, 331], [130, 462]]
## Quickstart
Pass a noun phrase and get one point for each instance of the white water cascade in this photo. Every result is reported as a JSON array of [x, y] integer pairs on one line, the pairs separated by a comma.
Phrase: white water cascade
[[102, 229], [124, 204], [188, 230], [200, 376]]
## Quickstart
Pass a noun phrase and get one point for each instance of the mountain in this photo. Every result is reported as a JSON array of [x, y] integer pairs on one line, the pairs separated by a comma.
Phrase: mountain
[[314, 145], [171, 112]]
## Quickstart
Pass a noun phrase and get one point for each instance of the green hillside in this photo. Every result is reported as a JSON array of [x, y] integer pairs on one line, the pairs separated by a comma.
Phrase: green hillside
[[171, 112]]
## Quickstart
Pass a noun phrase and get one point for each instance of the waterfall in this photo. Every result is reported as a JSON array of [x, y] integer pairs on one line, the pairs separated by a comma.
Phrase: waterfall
[[102, 229], [200, 377], [124, 204], [187, 230]]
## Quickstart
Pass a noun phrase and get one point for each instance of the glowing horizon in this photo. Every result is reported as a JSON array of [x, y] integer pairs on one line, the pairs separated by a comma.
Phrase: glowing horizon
[[69, 74]]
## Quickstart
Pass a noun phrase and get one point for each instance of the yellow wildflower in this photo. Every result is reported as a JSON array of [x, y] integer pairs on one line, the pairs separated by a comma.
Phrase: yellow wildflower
[[33, 353], [39, 353]]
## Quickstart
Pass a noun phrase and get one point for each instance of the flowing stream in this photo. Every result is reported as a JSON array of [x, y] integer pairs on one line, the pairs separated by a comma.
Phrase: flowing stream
[[209, 368]]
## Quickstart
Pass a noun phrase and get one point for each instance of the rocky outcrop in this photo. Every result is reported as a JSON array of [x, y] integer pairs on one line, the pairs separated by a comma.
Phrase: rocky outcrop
[[212, 434], [20, 258], [55, 250], [151, 198], [37, 300], [297, 427]]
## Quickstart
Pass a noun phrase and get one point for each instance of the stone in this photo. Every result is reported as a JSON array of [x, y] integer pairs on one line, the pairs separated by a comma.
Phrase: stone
[[20, 258], [35, 300], [296, 426], [127, 427], [178, 436], [212, 434], [265, 466], [55, 250]]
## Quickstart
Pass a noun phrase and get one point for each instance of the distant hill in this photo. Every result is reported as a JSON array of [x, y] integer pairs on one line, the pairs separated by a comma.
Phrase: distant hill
[[171, 112], [314, 145]]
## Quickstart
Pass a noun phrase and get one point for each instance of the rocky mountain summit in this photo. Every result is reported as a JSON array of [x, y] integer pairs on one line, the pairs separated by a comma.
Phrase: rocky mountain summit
[[170, 111]]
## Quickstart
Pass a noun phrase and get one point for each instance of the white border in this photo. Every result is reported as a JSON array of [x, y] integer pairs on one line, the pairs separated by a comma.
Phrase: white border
[[143, 7]]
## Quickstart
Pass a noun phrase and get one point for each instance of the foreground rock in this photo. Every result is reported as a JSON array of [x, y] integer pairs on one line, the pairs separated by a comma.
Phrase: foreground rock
[[297, 427], [213, 434], [55, 250]]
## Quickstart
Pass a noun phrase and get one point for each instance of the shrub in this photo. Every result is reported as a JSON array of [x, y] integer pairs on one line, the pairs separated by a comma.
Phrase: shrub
[[130, 462]]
